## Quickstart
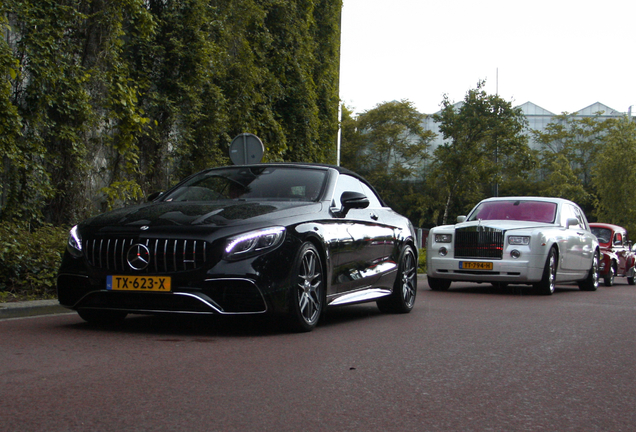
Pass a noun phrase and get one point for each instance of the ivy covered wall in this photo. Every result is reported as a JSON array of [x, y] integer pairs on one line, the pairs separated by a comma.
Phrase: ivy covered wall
[[105, 101]]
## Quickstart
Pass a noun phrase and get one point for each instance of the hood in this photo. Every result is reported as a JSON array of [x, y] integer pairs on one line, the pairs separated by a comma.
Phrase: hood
[[216, 214], [504, 224]]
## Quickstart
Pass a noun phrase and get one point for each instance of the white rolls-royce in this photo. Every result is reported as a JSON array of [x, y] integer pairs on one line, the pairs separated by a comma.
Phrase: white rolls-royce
[[515, 240]]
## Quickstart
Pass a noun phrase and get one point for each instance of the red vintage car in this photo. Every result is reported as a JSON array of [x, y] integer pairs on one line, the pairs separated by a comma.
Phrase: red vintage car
[[617, 257]]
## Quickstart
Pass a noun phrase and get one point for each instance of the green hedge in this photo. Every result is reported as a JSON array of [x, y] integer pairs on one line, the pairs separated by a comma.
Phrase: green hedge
[[29, 260]]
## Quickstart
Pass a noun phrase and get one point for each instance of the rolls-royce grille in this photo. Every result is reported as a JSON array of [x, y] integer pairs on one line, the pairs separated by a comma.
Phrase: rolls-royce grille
[[164, 255], [479, 242]]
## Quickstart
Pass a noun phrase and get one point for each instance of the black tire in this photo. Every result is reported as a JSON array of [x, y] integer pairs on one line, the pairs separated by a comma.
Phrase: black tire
[[102, 317], [591, 281], [307, 291], [631, 280], [437, 284], [548, 280], [402, 299], [608, 279]]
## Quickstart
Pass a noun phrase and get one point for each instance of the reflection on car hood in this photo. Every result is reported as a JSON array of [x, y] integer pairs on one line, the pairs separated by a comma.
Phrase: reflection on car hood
[[216, 214], [505, 224]]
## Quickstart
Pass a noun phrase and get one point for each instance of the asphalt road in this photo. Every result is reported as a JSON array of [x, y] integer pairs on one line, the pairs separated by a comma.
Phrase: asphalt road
[[470, 359]]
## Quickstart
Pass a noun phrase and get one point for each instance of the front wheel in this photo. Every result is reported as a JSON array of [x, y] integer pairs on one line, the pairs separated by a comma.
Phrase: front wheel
[[402, 299], [437, 284], [307, 292], [591, 281], [548, 280], [608, 279]]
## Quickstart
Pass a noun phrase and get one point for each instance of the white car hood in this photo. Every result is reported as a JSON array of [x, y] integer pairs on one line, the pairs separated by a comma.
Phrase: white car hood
[[506, 225]]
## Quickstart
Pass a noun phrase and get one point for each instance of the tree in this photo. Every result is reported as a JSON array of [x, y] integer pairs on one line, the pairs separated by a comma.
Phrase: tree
[[614, 175], [485, 147], [388, 145], [575, 143]]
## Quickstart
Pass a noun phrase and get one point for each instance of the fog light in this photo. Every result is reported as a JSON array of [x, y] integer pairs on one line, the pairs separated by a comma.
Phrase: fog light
[[443, 251], [515, 253]]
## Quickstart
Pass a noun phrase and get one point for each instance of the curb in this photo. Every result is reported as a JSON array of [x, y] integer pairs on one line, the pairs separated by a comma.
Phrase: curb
[[31, 308]]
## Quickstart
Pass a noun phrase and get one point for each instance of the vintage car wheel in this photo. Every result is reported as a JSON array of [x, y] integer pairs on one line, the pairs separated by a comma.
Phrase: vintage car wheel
[[631, 280], [608, 279], [102, 317], [591, 281], [548, 280], [437, 284], [307, 291], [402, 299]]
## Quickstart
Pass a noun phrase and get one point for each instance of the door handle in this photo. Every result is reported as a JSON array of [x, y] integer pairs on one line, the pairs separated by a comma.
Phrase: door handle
[[373, 216]]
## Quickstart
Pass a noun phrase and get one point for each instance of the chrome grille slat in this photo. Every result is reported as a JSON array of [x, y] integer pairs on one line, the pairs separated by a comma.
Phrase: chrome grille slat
[[167, 255], [479, 242]]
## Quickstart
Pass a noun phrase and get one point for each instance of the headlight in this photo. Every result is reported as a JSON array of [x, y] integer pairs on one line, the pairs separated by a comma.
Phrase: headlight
[[519, 240], [443, 238], [74, 244], [253, 242]]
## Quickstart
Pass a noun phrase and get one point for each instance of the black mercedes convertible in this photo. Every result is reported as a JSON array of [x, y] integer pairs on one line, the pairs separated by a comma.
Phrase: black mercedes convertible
[[283, 239]]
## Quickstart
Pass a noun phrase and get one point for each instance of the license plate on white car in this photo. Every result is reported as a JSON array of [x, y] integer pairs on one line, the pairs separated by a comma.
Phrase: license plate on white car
[[475, 265]]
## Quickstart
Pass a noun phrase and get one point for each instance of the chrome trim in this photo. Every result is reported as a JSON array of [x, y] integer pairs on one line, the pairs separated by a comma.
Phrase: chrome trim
[[360, 296], [215, 309]]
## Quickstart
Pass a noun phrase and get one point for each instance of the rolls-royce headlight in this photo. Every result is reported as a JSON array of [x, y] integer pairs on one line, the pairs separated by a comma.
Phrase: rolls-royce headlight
[[443, 238], [253, 242], [519, 240], [74, 244]]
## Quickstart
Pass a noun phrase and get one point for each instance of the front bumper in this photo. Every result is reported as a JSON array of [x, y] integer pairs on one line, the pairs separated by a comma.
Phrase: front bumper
[[509, 271]]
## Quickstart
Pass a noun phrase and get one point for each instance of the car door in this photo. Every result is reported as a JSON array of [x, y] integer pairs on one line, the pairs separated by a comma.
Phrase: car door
[[570, 242], [619, 245], [586, 249], [363, 240]]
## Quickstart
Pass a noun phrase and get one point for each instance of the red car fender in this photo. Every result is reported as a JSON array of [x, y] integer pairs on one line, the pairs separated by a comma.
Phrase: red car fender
[[606, 261]]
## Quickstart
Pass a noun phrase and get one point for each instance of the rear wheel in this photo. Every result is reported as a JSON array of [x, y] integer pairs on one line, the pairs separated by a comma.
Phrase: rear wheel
[[608, 279], [591, 281], [402, 299], [548, 280], [307, 290], [103, 317], [437, 284]]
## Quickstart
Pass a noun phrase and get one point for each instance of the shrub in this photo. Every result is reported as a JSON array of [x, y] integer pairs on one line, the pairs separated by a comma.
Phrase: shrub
[[29, 260], [421, 264]]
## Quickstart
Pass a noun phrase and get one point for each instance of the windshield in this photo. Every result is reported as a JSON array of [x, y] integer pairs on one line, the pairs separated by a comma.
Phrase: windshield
[[603, 234], [268, 183], [531, 211]]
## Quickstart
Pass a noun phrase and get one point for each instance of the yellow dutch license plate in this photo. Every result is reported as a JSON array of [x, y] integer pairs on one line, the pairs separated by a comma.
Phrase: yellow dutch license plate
[[472, 265], [138, 283]]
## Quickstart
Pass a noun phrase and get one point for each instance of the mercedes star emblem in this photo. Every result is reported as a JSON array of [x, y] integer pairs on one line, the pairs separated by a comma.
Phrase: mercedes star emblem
[[138, 257]]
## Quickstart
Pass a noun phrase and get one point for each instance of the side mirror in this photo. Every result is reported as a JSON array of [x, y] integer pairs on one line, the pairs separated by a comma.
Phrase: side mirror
[[153, 196], [571, 222], [461, 219], [353, 200]]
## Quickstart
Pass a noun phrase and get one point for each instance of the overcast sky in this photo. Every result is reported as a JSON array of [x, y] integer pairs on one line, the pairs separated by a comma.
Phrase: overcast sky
[[561, 55]]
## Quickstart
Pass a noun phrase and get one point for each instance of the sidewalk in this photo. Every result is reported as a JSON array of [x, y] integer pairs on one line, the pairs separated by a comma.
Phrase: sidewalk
[[31, 308]]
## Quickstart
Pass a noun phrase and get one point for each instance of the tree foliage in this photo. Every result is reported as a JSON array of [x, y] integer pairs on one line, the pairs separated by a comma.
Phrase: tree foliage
[[570, 149], [388, 145], [614, 174], [103, 102], [485, 148]]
